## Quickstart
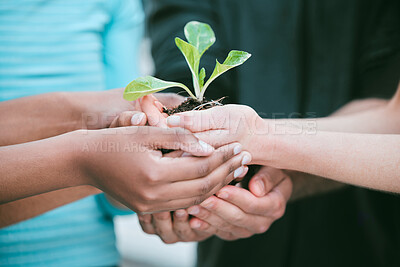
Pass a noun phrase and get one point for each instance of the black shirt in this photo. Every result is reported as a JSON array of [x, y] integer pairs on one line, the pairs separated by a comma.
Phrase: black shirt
[[309, 58]]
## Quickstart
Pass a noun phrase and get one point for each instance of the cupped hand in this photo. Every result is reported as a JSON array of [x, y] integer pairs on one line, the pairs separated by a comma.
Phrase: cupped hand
[[232, 214], [239, 213], [223, 124]]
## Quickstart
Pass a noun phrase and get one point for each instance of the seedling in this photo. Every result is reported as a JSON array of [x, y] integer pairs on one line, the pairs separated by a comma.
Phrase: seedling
[[200, 37]]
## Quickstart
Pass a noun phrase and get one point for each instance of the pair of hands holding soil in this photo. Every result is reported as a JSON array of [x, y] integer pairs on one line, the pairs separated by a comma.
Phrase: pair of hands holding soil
[[228, 211]]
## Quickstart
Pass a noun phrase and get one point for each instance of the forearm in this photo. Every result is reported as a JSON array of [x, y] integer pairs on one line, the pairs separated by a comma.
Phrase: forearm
[[26, 208], [39, 167], [305, 184], [37, 117], [366, 160]]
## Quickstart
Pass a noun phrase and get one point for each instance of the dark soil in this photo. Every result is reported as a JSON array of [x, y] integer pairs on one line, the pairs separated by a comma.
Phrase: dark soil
[[193, 104]]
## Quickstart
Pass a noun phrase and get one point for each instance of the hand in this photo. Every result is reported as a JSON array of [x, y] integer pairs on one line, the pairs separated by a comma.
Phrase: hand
[[230, 123], [238, 213], [235, 212], [174, 227], [126, 163], [154, 107]]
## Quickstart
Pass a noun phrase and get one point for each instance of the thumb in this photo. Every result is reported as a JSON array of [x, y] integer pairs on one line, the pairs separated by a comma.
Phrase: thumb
[[265, 180]]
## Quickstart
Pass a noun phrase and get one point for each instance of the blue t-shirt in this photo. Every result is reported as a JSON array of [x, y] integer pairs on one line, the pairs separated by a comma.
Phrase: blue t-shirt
[[74, 45]]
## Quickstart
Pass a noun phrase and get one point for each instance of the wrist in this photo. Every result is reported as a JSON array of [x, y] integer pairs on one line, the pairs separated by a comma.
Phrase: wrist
[[262, 144], [273, 143], [81, 154], [98, 109]]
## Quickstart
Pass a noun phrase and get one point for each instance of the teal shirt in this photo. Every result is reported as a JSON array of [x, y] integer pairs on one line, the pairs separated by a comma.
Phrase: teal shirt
[[73, 45]]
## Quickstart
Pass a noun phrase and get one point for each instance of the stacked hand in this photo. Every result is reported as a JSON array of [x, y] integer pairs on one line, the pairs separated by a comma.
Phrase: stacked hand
[[233, 212]]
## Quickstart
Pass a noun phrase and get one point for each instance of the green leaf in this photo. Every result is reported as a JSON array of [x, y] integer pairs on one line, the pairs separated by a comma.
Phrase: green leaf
[[234, 59], [202, 76], [192, 57], [200, 35], [148, 85]]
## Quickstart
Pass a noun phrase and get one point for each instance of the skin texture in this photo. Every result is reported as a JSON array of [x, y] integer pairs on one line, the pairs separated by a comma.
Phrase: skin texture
[[141, 177], [369, 160], [61, 154], [233, 213], [79, 110], [29, 207]]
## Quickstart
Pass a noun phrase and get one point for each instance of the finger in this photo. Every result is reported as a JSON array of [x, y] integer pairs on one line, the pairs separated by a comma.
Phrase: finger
[[128, 118], [188, 168], [162, 223], [151, 106], [145, 223], [284, 188], [196, 190], [266, 179], [216, 221], [217, 138], [181, 226], [198, 121], [176, 139], [236, 217], [245, 200], [202, 228]]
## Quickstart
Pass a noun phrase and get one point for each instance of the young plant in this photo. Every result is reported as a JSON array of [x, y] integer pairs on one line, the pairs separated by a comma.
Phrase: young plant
[[200, 37]]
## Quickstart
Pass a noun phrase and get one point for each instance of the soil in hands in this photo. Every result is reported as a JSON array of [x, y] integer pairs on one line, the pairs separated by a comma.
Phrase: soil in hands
[[194, 104]]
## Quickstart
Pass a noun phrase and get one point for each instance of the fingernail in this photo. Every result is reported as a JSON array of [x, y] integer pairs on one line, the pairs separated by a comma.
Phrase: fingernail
[[159, 106], [137, 118], [237, 149], [223, 195], [205, 147], [246, 160], [185, 154], [260, 186], [193, 210], [196, 224], [180, 213], [173, 120], [238, 172], [208, 203]]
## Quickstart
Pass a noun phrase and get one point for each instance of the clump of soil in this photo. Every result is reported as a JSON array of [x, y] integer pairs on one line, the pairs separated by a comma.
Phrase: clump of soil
[[193, 104]]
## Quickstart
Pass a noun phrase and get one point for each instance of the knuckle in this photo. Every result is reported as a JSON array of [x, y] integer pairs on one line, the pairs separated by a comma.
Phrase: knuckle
[[204, 168], [163, 216], [148, 196], [147, 231], [206, 186], [262, 229], [280, 208], [142, 208], [232, 167], [184, 234], [197, 201], [239, 217], [154, 176]]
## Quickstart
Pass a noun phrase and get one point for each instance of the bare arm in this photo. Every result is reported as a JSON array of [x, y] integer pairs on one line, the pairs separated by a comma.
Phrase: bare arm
[[305, 184], [370, 160], [42, 116], [26, 208], [384, 119]]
